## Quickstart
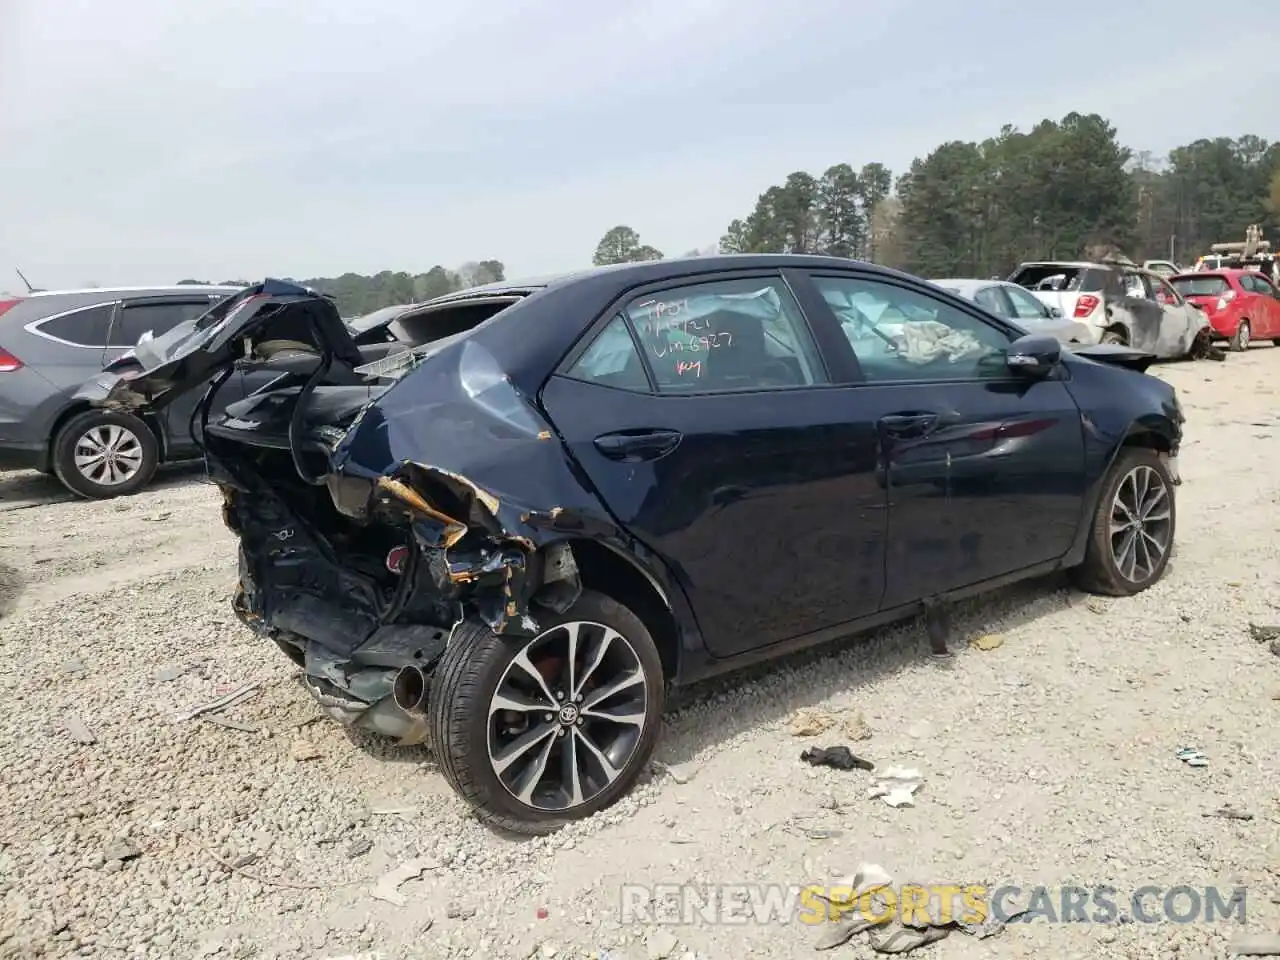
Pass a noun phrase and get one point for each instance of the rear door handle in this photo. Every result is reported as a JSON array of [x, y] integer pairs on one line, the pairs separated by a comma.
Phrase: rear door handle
[[908, 425], [634, 446]]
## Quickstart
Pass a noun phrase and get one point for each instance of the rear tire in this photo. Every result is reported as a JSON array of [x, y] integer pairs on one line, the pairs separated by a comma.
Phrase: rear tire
[[1241, 339], [1137, 476], [469, 732], [100, 454]]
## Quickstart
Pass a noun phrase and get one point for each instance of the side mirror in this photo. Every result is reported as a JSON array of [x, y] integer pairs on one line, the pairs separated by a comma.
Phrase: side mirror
[[1034, 355], [1198, 306], [146, 335], [1055, 312]]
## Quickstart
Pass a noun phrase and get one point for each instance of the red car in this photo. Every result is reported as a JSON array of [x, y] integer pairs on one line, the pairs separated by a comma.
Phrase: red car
[[1242, 305]]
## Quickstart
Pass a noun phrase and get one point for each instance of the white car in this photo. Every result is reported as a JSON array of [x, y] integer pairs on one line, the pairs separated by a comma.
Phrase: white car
[[1012, 302]]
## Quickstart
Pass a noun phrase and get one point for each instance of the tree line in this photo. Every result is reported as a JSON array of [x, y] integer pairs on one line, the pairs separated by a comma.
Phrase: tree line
[[356, 294], [1064, 189]]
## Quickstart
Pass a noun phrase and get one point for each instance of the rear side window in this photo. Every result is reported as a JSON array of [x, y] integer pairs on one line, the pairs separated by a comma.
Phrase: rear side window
[[612, 360], [1265, 286], [158, 318], [992, 299], [1135, 286], [746, 334], [1206, 285], [1025, 306], [83, 328]]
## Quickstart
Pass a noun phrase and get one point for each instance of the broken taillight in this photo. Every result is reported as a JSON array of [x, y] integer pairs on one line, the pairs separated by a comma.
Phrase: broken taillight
[[8, 362], [396, 558], [1085, 305]]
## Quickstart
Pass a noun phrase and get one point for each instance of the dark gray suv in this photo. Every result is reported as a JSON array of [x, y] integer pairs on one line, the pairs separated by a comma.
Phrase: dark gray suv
[[51, 343]]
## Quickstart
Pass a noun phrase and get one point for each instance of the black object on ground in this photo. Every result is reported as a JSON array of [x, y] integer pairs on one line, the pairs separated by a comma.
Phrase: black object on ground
[[937, 622], [841, 758]]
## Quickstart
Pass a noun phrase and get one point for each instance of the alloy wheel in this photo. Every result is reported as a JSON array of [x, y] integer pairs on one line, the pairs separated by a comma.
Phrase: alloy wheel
[[1243, 335], [1141, 523], [108, 455], [567, 716]]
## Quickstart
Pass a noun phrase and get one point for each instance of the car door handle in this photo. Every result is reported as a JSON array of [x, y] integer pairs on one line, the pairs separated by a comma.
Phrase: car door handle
[[633, 446], [908, 425]]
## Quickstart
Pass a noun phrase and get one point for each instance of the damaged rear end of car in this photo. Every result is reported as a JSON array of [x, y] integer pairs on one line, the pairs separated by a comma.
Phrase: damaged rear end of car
[[379, 504]]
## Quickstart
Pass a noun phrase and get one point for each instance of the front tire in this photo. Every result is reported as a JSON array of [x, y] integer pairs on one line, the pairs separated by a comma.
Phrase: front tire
[[99, 454], [1114, 337], [534, 734], [1241, 339], [1131, 536]]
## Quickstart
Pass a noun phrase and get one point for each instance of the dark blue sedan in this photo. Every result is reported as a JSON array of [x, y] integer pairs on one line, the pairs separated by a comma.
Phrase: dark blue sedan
[[509, 530]]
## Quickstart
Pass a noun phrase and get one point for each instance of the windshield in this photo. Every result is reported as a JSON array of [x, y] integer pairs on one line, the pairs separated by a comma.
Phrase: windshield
[[1206, 286]]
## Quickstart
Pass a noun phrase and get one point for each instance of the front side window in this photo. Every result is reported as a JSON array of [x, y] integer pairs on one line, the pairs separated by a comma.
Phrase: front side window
[[1265, 286], [612, 360], [901, 334], [725, 335]]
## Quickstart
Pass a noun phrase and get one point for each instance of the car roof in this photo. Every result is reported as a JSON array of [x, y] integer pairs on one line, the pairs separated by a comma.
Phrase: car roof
[[562, 308], [971, 284], [1074, 264], [159, 288], [1219, 272], [642, 270]]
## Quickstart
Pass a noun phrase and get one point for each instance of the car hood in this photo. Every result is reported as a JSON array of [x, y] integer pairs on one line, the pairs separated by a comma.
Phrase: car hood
[[260, 321]]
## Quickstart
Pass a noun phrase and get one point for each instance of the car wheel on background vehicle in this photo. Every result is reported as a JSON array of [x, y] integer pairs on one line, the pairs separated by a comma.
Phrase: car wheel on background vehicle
[[1131, 536], [1240, 340], [536, 733], [100, 454], [1114, 337]]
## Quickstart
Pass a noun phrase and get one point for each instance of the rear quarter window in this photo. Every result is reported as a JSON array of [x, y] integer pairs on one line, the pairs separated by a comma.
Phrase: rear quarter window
[[84, 328]]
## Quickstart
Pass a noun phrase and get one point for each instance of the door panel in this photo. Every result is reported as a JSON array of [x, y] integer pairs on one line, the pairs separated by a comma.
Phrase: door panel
[[984, 472], [769, 508], [178, 413], [993, 484]]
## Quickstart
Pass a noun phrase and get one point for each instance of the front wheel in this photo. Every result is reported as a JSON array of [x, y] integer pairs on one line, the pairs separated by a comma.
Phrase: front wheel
[[1133, 525], [100, 454], [535, 733], [1240, 340], [1114, 337]]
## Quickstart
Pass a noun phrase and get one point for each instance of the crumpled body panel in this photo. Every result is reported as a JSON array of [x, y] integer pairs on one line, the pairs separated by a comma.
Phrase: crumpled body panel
[[448, 448]]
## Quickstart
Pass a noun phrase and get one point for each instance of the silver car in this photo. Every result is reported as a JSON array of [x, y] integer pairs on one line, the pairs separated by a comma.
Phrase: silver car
[[1012, 302]]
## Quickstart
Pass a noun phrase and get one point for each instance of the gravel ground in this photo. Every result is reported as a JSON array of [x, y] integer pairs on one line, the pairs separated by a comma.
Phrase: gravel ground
[[1048, 759]]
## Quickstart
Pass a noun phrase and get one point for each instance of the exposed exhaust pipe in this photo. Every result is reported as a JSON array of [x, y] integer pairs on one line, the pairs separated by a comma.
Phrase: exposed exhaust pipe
[[409, 690]]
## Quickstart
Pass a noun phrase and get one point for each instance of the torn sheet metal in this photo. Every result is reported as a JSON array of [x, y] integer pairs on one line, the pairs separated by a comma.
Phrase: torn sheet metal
[[463, 457]]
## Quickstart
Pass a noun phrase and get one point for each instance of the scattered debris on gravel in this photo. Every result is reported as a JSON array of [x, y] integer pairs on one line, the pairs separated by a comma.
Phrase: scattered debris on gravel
[[148, 811]]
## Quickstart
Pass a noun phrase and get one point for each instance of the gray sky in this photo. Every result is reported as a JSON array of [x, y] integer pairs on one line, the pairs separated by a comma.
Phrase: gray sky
[[151, 140]]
